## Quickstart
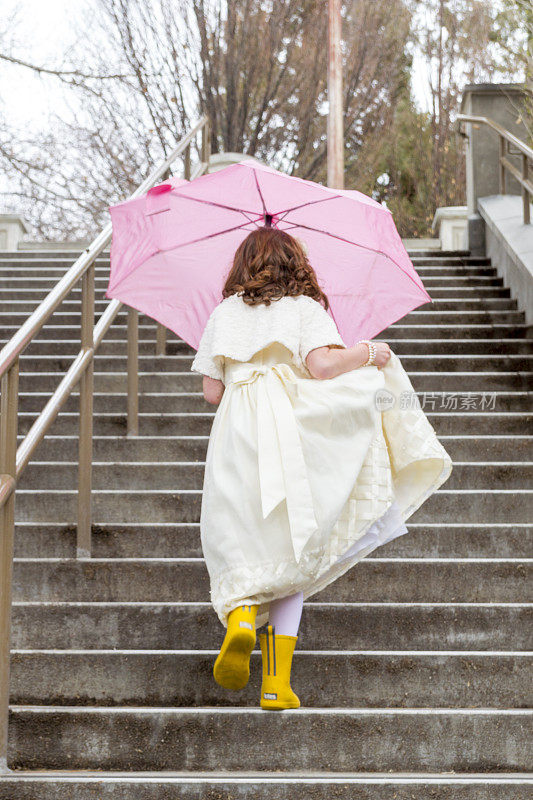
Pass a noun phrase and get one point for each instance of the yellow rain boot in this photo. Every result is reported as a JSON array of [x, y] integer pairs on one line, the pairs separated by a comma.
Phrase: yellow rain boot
[[232, 666], [277, 651]]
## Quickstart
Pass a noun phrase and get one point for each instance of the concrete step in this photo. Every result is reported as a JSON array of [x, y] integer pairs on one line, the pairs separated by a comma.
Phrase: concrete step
[[448, 422], [183, 505], [187, 381], [386, 679], [193, 448], [461, 257], [452, 277], [425, 316], [437, 289], [419, 580], [193, 402], [446, 362], [450, 328], [426, 271], [467, 403], [324, 626], [456, 347], [187, 475], [170, 539], [70, 347], [46, 271], [482, 422], [412, 332], [44, 279], [447, 302], [55, 330], [69, 256], [402, 347], [171, 785], [45, 737]]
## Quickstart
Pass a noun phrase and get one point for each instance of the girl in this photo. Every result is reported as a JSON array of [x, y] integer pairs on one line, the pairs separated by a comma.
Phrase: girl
[[313, 461]]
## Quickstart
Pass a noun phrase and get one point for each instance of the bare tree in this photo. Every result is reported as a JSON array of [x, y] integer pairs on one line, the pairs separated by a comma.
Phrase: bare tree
[[150, 67], [416, 163], [513, 34], [453, 37]]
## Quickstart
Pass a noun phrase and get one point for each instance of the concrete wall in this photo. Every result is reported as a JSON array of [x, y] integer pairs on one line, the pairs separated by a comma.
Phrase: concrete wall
[[220, 160], [450, 223], [12, 228], [509, 243], [495, 222]]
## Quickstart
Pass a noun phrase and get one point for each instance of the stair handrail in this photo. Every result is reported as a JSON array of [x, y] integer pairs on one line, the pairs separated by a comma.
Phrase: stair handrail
[[13, 460], [507, 138]]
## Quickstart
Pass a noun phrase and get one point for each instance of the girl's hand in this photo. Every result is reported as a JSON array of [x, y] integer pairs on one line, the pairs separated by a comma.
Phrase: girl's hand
[[382, 354], [213, 390], [329, 361]]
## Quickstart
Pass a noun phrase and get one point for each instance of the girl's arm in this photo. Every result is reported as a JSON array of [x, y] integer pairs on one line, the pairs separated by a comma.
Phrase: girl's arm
[[213, 390], [328, 362]]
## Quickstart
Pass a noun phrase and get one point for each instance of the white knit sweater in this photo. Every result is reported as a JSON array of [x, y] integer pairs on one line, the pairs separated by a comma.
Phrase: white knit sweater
[[237, 330]]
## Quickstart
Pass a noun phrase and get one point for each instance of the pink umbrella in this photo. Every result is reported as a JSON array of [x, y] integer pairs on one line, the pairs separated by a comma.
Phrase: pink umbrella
[[172, 248]]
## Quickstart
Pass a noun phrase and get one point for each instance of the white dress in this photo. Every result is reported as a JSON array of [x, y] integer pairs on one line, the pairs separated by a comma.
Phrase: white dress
[[303, 477]]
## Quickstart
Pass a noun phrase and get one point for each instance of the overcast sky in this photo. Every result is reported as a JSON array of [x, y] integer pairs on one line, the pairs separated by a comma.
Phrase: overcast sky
[[46, 26], [45, 29]]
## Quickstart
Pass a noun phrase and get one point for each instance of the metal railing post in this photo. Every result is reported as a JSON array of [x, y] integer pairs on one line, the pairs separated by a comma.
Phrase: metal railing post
[[187, 163], [161, 340], [206, 142], [85, 447], [8, 455], [133, 372], [525, 192], [502, 166]]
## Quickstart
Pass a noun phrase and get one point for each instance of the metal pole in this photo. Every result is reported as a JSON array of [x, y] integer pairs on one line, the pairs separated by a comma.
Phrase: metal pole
[[335, 133], [161, 340], [525, 193], [187, 163], [206, 143], [133, 372], [8, 456], [502, 165], [85, 448]]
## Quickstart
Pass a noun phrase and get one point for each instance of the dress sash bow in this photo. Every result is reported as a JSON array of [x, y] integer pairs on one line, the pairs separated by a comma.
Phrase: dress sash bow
[[282, 468]]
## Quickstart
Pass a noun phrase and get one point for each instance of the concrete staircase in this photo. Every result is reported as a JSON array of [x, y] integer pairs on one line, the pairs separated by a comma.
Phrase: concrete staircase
[[413, 669]]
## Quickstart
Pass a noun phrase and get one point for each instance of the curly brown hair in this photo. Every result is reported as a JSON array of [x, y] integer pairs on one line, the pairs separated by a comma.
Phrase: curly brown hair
[[270, 264]]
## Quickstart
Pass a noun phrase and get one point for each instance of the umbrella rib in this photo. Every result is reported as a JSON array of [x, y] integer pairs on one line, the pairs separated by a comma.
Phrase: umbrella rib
[[364, 247], [259, 190], [212, 203], [250, 220], [203, 238], [309, 203]]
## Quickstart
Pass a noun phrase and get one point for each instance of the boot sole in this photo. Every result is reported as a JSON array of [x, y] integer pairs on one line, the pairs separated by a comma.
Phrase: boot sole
[[232, 667], [274, 707]]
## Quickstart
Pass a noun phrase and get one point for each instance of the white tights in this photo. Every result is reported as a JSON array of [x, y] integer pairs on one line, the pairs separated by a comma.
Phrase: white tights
[[285, 614]]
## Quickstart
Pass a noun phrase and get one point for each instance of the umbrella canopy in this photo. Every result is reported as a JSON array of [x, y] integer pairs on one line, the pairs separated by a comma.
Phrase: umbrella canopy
[[172, 248]]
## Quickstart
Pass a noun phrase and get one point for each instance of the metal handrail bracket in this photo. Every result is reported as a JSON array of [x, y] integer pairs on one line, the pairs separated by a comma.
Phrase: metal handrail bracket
[[522, 176]]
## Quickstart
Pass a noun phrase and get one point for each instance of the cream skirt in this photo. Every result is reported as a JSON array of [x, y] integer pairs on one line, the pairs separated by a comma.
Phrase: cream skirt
[[306, 477]]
